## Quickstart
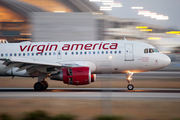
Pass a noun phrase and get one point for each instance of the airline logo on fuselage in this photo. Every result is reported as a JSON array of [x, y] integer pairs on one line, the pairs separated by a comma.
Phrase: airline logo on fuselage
[[67, 47], [90, 46], [39, 48]]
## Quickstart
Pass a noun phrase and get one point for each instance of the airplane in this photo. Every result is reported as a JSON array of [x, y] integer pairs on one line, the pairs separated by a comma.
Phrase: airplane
[[78, 62]]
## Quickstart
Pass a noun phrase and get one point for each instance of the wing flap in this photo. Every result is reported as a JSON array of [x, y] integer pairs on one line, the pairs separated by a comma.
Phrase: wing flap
[[30, 65]]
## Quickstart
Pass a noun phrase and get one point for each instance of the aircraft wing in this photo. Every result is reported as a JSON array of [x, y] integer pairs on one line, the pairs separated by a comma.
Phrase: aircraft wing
[[31, 65]]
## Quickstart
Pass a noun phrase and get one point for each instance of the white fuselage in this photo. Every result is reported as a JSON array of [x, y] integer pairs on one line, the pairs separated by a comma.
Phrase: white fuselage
[[101, 56]]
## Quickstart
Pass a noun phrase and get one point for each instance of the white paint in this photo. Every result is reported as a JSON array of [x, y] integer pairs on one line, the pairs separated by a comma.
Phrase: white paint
[[103, 61]]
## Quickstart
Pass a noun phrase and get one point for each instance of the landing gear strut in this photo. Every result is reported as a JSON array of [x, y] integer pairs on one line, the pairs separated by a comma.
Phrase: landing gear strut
[[130, 86], [42, 84]]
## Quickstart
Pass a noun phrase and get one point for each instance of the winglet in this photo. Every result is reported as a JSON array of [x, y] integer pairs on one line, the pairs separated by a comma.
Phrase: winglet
[[125, 39]]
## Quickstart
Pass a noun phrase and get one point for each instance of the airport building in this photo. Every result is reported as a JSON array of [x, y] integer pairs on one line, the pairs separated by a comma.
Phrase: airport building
[[15, 24], [67, 20]]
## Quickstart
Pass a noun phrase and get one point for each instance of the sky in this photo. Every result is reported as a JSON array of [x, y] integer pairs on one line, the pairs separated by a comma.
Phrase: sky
[[170, 8]]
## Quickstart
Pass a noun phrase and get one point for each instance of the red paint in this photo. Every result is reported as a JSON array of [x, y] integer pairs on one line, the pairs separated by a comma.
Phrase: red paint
[[145, 59], [90, 46], [77, 45], [22, 49], [73, 76], [105, 45], [39, 48], [29, 47], [32, 47], [80, 76], [66, 47]]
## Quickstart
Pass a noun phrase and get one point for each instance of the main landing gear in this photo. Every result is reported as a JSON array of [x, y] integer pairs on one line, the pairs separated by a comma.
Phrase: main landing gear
[[39, 86], [130, 86], [42, 84]]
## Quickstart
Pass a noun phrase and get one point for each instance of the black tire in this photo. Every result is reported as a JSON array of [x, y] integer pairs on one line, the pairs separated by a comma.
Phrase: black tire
[[45, 84], [38, 86], [130, 87]]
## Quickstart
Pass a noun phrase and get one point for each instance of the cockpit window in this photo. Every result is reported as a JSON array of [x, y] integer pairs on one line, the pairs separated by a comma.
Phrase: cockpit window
[[151, 50], [146, 50], [155, 50]]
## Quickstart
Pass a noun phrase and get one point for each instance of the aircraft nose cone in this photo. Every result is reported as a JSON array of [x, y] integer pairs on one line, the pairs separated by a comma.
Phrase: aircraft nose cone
[[166, 60]]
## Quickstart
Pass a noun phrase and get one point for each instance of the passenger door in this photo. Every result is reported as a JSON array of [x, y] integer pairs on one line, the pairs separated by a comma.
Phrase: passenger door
[[129, 55]]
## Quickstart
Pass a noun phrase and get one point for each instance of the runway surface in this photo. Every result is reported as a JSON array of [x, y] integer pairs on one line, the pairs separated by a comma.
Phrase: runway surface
[[92, 93], [144, 75]]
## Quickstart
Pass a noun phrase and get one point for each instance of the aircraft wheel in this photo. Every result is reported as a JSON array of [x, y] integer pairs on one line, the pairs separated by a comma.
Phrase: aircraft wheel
[[45, 84], [38, 86], [130, 87]]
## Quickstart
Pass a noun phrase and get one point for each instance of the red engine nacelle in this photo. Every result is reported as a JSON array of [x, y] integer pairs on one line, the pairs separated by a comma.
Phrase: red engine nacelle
[[74, 76]]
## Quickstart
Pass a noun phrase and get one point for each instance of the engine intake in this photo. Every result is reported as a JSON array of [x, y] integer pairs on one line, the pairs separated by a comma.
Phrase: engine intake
[[74, 76]]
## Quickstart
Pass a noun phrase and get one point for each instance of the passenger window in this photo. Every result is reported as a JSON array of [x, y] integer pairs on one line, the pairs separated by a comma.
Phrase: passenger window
[[10, 54], [54, 53], [24, 54], [6, 54], [94, 52], [32, 54], [45, 53], [97, 52], [59, 53], [110, 52], [15, 54], [115, 52], [65, 53], [151, 50], [1, 55], [19, 54], [89, 52], [72, 53], [106, 52], [28, 54], [102, 52], [146, 50], [41, 54], [81, 53], [119, 52], [36, 54], [76, 53], [85, 53], [50, 53]]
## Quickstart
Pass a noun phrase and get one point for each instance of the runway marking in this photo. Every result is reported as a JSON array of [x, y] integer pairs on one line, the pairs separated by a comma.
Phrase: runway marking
[[91, 90], [93, 93]]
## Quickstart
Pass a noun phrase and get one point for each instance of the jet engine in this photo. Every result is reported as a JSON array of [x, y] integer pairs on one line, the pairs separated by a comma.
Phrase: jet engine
[[74, 76]]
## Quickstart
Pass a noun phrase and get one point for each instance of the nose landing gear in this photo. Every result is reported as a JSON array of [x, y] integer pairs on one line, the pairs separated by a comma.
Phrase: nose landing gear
[[130, 86]]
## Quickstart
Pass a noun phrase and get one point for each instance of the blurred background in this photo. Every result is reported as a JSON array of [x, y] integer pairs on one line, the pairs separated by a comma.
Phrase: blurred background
[[153, 22]]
